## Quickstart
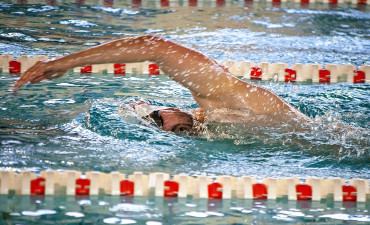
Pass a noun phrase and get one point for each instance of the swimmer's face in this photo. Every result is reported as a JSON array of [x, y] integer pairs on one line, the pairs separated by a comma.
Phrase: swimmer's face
[[172, 120]]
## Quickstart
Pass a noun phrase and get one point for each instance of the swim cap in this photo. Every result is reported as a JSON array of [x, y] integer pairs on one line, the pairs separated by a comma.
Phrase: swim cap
[[140, 108], [145, 109]]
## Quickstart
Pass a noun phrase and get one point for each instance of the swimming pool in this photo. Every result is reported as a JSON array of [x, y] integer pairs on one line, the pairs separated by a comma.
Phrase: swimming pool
[[73, 122]]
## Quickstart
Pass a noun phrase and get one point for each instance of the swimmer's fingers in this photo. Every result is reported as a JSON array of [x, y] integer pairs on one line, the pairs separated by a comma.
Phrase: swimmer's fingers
[[31, 74], [35, 74], [28, 78]]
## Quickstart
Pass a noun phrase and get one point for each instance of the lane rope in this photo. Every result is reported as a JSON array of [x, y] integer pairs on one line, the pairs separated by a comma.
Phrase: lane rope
[[279, 72], [159, 184]]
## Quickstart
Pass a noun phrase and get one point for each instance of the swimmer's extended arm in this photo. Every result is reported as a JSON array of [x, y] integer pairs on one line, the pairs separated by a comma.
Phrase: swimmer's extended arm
[[186, 66], [211, 85]]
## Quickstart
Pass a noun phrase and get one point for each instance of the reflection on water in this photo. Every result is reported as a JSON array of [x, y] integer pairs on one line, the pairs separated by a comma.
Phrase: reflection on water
[[139, 210]]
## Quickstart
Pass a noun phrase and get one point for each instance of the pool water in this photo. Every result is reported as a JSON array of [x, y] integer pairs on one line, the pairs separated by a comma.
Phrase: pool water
[[154, 211], [73, 122]]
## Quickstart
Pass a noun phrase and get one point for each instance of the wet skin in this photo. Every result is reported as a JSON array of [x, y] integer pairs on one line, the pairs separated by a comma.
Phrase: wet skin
[[211, 85], [173, 120]]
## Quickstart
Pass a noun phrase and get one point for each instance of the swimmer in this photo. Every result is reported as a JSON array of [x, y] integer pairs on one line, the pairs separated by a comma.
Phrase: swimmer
[[221, 96]]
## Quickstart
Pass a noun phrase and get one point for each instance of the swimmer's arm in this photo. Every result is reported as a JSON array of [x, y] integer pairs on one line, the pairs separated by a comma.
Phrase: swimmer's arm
[[211, 85], [186, 66]]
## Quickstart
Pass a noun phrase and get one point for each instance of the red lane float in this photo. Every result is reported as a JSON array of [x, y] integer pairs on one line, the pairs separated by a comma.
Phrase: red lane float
[[215, 191], [153, 69], [82, 186], [324, 76], [165, 3], [136, 3], [349, 193], [290, 75], [259, 191], [38, 186], [50, 2], [119, 69], [86, 69], [14, 67], [127, 187], [220, 3], [171, 188], [359, 76], [256, 73], [304, 192], [108, 3], [193, 2]]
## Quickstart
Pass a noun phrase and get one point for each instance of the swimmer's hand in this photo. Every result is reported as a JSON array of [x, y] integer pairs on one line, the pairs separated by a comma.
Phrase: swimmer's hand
[[40, 71]]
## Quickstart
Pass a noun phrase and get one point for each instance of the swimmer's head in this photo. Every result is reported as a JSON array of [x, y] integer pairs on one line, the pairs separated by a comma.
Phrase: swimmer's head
[[172, 119], [166, 118]]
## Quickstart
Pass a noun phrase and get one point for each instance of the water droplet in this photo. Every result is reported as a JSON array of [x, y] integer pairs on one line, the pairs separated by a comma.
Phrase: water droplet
[[275, 78]]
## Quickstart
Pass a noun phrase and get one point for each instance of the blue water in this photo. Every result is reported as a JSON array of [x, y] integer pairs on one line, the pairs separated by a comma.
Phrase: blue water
[[73, 122]]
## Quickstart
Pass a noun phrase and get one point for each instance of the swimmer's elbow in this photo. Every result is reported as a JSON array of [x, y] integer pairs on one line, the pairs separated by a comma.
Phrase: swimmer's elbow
[[152, 39]]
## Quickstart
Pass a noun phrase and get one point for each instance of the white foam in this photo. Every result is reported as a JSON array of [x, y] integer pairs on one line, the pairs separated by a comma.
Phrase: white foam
[[75, 214], [39, 212]]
